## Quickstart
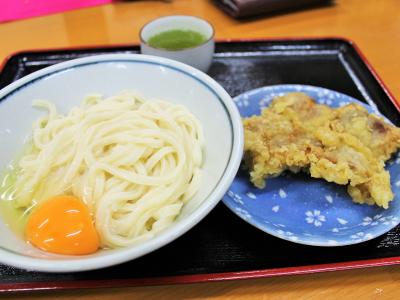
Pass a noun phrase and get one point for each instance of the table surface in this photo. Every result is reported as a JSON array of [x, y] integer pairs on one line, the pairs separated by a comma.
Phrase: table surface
[[373, 25]]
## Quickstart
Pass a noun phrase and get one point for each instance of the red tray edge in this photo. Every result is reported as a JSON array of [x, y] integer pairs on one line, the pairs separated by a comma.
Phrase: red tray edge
[[198, 278], [19, 287]]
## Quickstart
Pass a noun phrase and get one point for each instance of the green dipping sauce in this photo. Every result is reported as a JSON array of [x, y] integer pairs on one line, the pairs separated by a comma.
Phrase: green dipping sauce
[[177, 39]]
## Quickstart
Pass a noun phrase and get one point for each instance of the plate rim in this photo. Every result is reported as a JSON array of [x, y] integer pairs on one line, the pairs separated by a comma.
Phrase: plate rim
[[226, 199]]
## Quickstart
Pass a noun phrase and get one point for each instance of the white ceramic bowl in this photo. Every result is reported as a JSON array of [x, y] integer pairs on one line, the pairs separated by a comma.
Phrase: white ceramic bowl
[[67, 83], [199, 57]]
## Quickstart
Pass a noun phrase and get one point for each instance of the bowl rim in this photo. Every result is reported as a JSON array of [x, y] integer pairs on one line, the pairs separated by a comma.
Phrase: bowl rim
[[129, 253]]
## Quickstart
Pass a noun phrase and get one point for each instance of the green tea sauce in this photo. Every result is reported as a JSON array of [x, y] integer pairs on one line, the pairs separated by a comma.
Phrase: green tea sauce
[[177, 39]]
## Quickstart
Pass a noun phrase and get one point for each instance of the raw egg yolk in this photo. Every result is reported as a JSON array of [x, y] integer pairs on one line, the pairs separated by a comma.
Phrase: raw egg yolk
[[62, 225]]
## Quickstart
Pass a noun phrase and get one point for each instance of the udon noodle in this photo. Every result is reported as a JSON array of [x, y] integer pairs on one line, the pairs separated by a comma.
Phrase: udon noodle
[[134, 163]]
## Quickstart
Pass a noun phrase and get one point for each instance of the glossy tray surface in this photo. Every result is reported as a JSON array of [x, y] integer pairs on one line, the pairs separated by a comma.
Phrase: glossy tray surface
[[223, 246]]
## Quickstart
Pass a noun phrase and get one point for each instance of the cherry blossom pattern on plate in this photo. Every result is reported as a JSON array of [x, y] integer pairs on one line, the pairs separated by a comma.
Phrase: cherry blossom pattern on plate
[[300, 209], [315, 217]]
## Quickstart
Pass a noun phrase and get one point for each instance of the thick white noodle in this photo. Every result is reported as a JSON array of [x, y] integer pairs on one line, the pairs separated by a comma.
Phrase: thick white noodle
[[134, 163]]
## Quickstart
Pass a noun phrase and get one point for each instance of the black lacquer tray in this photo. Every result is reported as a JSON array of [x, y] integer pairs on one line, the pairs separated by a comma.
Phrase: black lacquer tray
[[223, 246]]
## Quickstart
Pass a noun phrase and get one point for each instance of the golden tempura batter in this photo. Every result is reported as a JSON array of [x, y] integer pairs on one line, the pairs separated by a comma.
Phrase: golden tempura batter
[[345, 145]]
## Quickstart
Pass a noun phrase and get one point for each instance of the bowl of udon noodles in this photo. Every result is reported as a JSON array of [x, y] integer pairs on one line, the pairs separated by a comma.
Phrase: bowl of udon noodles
[[107, 158]]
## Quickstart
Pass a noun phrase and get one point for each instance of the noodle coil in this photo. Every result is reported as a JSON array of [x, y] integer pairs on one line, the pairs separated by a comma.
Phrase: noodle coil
[[134, 163]]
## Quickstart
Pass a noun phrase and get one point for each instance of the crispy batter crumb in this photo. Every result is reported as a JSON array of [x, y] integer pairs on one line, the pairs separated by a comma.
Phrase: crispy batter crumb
[[345, 145]]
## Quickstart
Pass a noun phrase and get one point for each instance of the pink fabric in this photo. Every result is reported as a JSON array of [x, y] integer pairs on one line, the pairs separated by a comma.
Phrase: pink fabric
[[21, 9]]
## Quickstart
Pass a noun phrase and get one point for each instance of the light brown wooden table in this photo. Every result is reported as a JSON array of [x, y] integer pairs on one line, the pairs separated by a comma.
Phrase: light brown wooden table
[[374, 25]]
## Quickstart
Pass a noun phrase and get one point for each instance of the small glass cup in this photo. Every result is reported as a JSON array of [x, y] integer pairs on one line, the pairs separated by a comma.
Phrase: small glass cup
[[199, 56]]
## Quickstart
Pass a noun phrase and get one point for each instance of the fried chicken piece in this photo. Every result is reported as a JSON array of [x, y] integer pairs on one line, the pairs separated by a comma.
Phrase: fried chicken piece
[[276, 141], [346, 145], [379, 136]]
